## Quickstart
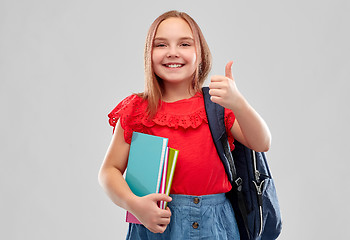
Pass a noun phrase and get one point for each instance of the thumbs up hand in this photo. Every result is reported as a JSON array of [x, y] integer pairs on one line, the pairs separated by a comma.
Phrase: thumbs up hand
[[223, 89]]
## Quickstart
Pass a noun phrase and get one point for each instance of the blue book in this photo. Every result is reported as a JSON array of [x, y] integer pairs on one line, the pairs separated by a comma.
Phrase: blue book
[[145, 165]]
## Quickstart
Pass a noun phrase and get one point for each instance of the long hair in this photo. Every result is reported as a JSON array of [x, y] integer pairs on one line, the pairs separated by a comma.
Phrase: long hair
[[153, 84]]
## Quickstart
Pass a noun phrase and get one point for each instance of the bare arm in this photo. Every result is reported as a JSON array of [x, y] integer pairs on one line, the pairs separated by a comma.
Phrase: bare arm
[[112, 170], [249, 128], [112, 180]]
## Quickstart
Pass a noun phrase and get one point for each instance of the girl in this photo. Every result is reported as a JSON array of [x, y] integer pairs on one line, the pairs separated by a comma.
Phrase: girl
[[177, 61]]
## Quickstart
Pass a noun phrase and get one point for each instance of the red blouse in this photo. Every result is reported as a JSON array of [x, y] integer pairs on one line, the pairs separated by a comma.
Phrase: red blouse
[[199, 170]]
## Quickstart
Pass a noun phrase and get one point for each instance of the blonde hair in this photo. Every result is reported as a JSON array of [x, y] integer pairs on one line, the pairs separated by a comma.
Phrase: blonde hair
[[153, 84]]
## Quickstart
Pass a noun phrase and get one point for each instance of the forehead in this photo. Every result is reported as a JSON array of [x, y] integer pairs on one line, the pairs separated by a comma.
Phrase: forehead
[[174, 28]]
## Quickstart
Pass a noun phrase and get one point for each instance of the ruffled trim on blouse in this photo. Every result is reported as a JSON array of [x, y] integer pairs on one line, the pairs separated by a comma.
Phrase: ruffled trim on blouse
[[132, 114], [192, 120], [129, 111]]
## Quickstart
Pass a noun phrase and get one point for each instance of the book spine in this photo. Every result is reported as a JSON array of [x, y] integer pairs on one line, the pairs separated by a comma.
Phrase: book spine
[[167, 192], [171, 174], [163, 182], [165, 142]]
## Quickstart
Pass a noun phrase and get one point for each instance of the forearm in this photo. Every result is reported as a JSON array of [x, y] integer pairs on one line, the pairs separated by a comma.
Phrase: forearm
[[144, 208], [114, 184], [254, 129]]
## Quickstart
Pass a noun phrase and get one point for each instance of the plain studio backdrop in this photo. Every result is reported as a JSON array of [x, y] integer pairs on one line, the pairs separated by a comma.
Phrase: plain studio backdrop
[[64, 65]]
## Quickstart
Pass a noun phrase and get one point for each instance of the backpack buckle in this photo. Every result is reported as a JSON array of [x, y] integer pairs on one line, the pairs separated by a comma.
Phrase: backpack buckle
[[239, 182]]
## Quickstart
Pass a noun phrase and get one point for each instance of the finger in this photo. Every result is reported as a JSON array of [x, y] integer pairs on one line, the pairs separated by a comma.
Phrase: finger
[[166, 213], [216, 85], [228, 70], [157, 229], [161, 197], [161, 228], [215, 92], [215, 99], [168, 210], [164, 223], [217, 78]]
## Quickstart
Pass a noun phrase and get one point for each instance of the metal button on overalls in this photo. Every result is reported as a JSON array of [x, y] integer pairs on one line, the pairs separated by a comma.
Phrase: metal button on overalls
[[195, 225], [196, 200]]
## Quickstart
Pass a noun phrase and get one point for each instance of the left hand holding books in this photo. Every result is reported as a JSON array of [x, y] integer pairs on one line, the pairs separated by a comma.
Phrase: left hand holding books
[[149, 214]]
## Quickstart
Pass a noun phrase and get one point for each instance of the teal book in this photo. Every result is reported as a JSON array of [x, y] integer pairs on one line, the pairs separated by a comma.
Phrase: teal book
[[145, 165]]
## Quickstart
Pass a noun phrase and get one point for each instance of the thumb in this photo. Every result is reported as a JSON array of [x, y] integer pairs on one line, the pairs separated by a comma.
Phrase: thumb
[[228, 71], [161, 197]]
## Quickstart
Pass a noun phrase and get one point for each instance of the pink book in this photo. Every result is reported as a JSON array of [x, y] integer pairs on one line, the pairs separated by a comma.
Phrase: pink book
[[131, 218], [163, 182]]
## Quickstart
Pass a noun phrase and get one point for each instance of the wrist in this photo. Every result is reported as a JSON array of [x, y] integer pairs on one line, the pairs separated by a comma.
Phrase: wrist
[[131, 202], [238, 104]]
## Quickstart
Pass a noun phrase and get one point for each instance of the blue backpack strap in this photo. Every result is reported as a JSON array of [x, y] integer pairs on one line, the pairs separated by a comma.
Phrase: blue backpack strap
[[216, 114]]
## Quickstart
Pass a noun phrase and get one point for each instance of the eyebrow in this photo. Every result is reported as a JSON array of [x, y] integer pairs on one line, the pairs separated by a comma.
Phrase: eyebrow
[[183, 38]]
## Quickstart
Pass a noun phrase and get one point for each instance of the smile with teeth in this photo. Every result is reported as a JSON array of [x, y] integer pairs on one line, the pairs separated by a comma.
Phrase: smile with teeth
[[173, 65]]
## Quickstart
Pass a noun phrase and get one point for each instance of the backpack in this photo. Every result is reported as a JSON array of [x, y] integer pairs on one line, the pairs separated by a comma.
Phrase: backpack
[[253, 196]]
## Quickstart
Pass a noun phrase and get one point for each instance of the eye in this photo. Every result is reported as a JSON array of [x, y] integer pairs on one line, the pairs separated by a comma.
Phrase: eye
[[185, 44], [160, 45]]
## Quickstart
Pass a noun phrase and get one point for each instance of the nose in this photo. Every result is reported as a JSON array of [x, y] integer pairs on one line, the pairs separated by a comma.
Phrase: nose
[[172, 52]]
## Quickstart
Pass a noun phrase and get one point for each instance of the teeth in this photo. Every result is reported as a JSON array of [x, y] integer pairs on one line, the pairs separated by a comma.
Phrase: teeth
[[173, 65]]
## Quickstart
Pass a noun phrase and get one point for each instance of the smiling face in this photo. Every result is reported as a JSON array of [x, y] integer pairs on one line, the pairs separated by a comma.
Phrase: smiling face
[[174, 52]]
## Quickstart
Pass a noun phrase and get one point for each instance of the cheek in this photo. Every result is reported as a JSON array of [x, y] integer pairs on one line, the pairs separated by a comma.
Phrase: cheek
[[158, 55], [156, 60], [192, 58], [155, 57]]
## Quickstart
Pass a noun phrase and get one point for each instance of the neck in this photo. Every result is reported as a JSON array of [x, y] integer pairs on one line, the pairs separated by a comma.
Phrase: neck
[[175, 92]]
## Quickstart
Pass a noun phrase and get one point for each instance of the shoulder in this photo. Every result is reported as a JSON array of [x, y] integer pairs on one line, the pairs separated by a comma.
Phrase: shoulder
[[129, 101], [129, 112], [126, 107]]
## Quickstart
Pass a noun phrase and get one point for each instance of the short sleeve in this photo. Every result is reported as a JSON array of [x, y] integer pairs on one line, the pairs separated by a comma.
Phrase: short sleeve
[[129, 112], [229, 120]]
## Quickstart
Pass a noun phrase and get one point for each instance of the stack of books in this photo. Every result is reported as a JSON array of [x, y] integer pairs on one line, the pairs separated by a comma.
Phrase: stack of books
[[151, 167]]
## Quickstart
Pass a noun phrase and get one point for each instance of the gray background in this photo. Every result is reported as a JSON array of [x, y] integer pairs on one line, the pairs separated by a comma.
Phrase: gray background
[[65, 64]]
